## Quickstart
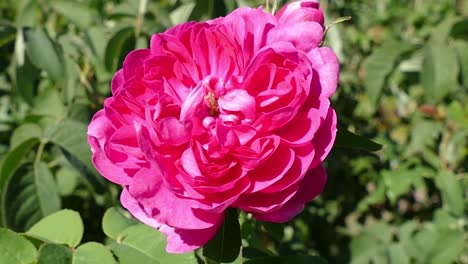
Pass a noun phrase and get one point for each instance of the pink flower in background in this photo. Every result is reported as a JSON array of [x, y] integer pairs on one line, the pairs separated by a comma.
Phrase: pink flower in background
[[232, 112]]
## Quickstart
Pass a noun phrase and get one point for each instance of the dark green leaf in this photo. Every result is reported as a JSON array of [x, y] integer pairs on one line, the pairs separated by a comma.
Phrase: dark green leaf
[[118, 46], [13, 160], [30, 195], [62, 227], [71, 137], [44, 53], [26, 75], [225, 245], [347, 139], [55, 254], [440, 72], [460, 29]]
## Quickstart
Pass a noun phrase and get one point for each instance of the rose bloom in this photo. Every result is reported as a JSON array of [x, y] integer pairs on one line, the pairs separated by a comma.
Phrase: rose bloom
[[232, 112]]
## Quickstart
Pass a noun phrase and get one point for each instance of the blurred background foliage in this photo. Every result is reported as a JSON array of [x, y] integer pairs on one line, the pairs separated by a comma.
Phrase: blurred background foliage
[[404, 84]]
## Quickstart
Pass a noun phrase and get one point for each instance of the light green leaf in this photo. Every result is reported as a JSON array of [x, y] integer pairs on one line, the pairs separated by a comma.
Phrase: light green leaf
[[77, 12], [54, 254], [453, 244], [115, 222], [30, 195], [44, 53], [452, 193], [287, 260], [93, 253], [397, 254], [225, 245], [151, 243], [379, 65], [462, 52], [182, 13], [440, 72], [15, 249], [23, 133], [363, 248], [129, 255], [48, 103], [63, 227]]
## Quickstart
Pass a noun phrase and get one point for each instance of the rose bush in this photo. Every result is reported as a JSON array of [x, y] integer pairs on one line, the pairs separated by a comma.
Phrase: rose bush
[[232, 112]]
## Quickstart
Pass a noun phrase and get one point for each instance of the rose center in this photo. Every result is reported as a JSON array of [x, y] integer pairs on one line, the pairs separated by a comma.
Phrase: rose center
[[212, 103]]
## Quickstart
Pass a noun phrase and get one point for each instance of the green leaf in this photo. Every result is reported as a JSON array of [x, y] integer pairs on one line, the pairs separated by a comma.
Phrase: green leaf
[[462, 52], [152, 244], [347, 139], [225, 245], [67, 180], [93, 253], [48, 103], [398, 182], [380, 231], [182, 13], [55, 254], [44, 53], [440, 72], [460, 29], [452, 193], [30, 195], [128, 255], [287, 260], [115, 222], [13, 160], [117, 48], [7, 33], [63, 227], [397, 254], [25, 77], [24, 133], [15, 249], [453, 245], [379, 65], [77, 12], [364, 248], [71, 137]]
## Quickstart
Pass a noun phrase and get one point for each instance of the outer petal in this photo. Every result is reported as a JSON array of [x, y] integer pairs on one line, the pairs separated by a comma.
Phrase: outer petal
[[309, 187], [326, 65], [305, 10], [178, 240], [304, 35], [325, 138]]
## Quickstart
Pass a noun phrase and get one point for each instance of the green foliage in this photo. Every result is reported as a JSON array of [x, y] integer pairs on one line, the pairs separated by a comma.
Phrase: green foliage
[[397, 177]]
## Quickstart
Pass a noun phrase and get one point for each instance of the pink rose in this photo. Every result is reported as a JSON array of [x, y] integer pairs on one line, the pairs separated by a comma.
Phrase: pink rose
[[232, 112]]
